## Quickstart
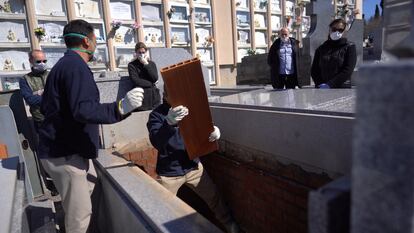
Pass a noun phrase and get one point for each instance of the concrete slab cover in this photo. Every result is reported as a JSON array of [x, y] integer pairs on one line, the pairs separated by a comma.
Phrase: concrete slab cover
[[307, 100]]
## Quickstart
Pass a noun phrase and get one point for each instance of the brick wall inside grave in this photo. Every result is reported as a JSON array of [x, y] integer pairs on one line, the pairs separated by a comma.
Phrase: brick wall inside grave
[[264, 194]]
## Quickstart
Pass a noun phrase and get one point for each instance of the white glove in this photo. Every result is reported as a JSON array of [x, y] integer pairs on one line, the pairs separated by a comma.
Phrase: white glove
[[143, 59], [215, 135], [176, 114], [132, 100], [38, 92]]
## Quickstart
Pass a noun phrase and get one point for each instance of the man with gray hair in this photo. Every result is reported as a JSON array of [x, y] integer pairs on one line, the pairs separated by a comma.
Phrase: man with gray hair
[[282, 60], [33, 83]]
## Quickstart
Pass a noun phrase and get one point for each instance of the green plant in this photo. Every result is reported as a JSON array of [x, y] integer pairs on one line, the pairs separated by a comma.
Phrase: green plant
[[251, 52]]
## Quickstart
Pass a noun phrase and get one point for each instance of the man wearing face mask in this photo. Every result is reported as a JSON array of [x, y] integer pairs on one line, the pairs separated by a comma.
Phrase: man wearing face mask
[[143, 72], [335, 59], [282, 59], [33, 83], [69, 135]]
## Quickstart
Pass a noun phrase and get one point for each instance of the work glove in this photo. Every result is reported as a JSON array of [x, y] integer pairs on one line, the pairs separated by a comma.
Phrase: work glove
[[132, 100], [38, 92], [176, 114], [215, 135], [324, 86], [143, 59]]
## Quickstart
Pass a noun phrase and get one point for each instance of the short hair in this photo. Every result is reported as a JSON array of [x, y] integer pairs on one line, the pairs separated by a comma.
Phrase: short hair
[[32, 52], [140, 45], [78, 26], [338, 21]]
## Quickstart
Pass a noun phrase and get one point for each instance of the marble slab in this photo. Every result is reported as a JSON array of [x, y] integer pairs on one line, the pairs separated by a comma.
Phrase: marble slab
[[54, 31], [242, 17], [242, 3], [202, 15], [243, 37], [309, 100], [125, 35], [121, 10], [202, 34], [13, 31], [275, 5], [53, 55], [50, 7], [180, 13], [88, 8], [259, 20], [179, 35], [153, 35], [14, 7], [260, 38], [124, 56], [13, 60], [275, 22], [151, 12]]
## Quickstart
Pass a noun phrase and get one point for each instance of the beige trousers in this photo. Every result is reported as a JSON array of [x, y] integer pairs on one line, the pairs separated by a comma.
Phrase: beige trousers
[[74, 178], [199, 181]]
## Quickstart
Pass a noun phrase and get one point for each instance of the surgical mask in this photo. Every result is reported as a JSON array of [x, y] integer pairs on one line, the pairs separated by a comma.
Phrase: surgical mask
[[39, 67], [285, 39], [89, 52], [335, 35]]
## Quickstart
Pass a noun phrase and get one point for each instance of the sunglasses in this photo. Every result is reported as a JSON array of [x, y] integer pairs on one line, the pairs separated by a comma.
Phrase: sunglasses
[[337, 30], [41, 61]]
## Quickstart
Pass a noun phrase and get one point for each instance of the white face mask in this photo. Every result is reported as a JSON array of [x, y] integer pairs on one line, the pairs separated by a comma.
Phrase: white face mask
[[39, 67], [335, 35]]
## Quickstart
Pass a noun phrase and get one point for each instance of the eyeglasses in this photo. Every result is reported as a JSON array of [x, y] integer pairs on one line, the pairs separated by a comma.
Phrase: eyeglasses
[[337, 30], [41, 61]]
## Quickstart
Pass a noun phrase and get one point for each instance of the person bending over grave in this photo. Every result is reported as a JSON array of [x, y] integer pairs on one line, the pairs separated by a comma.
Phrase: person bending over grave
[[335, 59], [143, 73], [173, 164]]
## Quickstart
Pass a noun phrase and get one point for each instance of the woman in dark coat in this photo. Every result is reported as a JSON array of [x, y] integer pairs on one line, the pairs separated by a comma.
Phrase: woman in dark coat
[[143, 72]]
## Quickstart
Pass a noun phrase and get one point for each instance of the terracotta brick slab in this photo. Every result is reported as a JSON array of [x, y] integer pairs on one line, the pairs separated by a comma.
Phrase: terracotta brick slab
[[3, 151], [185, 86]]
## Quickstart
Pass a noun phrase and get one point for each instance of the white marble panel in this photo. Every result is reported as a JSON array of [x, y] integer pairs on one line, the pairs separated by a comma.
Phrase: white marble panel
[[201, 35], [153, 35], [290, 7], [124, 56], [54, 31], [260, 38], [151, 12], [101, 56], [275, 5], [50, 7], [99, 33], [12, 6], [179, 14], [179, 35], [259, 20], [241, 53], [53, 55], [88, 8], [13, 31], [243, 36], [13, 60], [211, 78], [202, 15], [242, 17], [275, 22], [202, 1], [205, 54], [124, 35], [242, 3], [260, 4], [121, 10]]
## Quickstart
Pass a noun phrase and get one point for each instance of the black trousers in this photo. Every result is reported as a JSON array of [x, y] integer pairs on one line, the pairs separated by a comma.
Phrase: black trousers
[[284, 80]]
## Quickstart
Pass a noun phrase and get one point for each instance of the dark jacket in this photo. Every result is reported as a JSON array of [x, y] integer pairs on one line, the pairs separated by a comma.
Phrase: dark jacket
[[172, 156], [29, 84], [334, 62], [72, 110], [273, 59], [145, 76]]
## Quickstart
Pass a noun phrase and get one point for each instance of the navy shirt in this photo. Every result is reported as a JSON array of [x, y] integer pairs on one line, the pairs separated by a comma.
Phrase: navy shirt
[[72, 110], [173, 159]]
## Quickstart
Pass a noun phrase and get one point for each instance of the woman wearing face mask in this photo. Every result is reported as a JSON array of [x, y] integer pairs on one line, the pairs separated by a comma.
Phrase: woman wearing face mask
[[143, 72], [282, 59], [335, 59]]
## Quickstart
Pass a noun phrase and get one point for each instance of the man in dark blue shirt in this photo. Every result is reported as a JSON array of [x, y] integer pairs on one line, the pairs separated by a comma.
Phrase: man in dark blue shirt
[[174, 166], [69, 134]]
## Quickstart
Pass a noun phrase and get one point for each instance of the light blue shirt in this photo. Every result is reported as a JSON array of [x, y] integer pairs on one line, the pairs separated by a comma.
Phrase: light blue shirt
[[286, 57]]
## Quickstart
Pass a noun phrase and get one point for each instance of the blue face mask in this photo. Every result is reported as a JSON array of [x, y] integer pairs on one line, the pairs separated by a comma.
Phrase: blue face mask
[[91, 53]]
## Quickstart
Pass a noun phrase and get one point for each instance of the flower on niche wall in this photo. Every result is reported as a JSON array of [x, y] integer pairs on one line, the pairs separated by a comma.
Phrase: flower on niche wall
[[170, 12], [40, 32], [116, 24]]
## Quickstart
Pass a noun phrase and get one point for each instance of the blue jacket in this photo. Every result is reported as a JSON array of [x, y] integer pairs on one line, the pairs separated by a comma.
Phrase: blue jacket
[[172, 156], [72, 110]]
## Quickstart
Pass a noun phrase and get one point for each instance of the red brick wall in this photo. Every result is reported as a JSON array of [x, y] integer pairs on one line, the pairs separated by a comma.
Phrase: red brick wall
[[146, 159], [262, 200]]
